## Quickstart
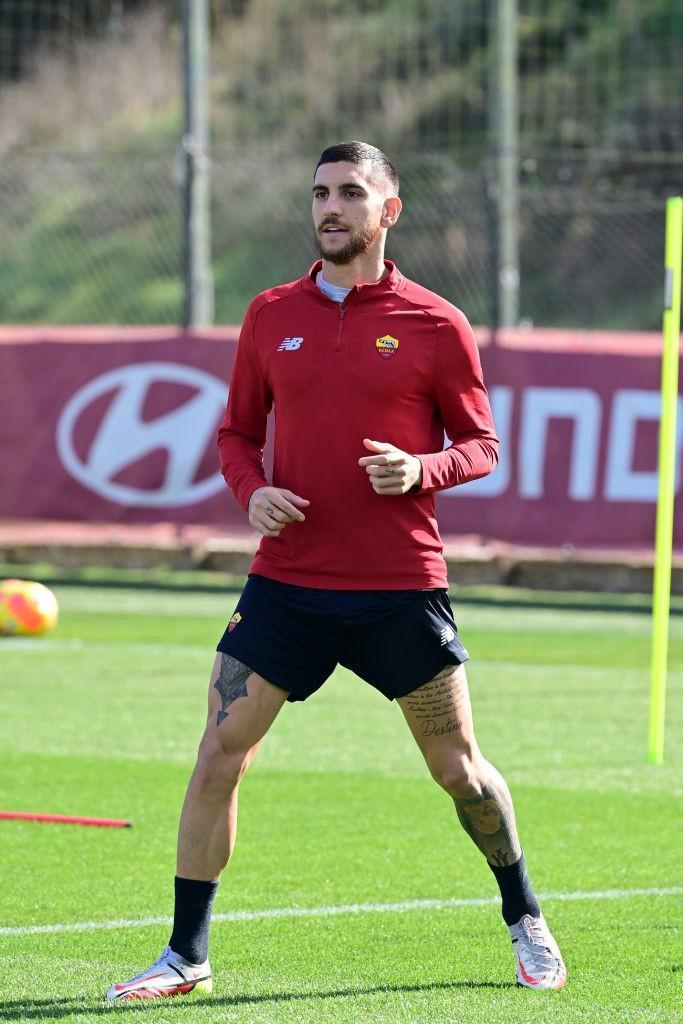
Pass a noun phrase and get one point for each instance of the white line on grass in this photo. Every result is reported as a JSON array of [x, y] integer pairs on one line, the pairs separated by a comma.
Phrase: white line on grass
[[27, 644], [349, 908], [37, 643]]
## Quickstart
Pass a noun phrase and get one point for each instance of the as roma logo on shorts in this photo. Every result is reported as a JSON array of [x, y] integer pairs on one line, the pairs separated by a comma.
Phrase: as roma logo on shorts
[[234, 621], [386, 346]]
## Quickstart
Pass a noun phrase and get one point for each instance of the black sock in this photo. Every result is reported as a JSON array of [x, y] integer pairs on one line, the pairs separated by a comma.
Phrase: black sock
[[515, 888], [191, 919]]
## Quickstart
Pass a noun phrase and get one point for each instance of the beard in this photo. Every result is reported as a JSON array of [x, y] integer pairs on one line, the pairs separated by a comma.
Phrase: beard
[[357, 245]]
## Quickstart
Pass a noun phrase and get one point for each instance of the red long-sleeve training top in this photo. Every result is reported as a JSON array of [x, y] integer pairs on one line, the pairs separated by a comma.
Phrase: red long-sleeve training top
[[395, 363]]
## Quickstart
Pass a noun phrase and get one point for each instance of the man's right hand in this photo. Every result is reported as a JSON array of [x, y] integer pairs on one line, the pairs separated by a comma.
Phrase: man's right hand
[[273, 508]]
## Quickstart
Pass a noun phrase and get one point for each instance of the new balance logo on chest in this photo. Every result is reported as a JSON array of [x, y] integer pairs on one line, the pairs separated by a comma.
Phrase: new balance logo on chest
[[290, 344]]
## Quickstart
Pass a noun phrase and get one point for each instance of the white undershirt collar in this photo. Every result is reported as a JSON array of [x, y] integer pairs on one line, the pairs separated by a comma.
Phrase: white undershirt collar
[[332, 291]]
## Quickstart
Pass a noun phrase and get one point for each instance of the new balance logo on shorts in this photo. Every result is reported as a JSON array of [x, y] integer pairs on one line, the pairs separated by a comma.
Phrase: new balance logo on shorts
[[447, 634], [290, 344]]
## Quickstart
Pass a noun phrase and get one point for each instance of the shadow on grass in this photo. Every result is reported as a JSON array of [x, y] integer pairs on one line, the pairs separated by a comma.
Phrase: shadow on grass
[[54, 1009]]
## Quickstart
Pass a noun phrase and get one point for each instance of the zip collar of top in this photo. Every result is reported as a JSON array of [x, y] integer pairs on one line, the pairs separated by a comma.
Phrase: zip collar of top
[[360, 292]]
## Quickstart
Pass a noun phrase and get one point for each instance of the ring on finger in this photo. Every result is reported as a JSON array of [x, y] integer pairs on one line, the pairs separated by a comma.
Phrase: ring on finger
[[270, 511]]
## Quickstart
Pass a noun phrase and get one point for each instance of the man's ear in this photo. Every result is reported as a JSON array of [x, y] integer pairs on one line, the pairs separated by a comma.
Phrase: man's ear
[[390, 211]]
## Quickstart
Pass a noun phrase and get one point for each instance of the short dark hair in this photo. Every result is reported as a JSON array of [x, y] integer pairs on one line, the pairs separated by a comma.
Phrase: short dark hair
[[358, 153]]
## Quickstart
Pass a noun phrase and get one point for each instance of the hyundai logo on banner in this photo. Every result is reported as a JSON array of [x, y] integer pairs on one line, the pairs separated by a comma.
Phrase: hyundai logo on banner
[[123, 437]]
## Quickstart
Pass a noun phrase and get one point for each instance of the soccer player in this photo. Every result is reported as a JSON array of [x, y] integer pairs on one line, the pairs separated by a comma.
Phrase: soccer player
[[366, 371]]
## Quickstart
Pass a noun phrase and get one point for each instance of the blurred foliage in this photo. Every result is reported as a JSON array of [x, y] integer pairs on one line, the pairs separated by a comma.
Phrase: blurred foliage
[[25, 25], [90, 116], [593, 73]]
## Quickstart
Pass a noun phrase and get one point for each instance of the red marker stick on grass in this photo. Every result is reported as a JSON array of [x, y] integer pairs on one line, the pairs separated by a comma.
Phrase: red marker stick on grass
[[64, 819]]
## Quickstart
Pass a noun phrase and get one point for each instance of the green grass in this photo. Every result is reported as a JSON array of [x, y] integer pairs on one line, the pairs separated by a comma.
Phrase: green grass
[[103, 717]]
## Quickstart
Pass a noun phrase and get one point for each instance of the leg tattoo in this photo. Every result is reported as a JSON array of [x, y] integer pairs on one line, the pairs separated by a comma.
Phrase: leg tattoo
[[437, 712], [231, 683], [436, 703], [489, 820]]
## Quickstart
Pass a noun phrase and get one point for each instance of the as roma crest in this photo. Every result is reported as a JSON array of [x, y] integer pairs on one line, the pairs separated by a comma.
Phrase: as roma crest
[[234, 621], [387, 346]]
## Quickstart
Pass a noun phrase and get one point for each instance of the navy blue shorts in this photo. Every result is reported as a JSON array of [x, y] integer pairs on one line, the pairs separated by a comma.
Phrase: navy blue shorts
[[295, 636]]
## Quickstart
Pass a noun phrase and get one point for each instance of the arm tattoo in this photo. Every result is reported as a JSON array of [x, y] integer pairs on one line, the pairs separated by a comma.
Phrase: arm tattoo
[[231, 683]]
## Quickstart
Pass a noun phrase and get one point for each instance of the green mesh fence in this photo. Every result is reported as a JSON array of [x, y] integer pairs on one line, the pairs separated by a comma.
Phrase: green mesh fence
[[90, 115]]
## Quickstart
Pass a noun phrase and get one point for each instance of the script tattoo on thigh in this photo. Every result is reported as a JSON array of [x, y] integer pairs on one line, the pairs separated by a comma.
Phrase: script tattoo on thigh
[[231, 683], [436, 703]]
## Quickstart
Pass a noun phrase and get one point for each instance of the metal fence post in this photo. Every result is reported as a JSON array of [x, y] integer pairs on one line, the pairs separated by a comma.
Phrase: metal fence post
[[198, 301], [505, 115]]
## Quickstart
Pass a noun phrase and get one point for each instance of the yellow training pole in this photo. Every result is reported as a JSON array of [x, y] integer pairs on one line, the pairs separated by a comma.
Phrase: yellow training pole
[[667, 471]]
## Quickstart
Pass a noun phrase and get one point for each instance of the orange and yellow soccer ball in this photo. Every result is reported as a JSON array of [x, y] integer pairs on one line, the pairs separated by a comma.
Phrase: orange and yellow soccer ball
[[26, 608]]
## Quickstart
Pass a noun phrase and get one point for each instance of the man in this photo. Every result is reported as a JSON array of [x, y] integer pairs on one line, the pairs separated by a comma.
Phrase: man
[[366, 371]]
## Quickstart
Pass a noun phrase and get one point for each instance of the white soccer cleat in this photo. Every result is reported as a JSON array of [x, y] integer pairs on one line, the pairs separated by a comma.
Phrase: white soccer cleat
[[539, 961], [170, 975]]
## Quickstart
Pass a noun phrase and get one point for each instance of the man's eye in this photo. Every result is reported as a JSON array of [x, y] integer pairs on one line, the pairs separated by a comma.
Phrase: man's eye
[[353, 195]]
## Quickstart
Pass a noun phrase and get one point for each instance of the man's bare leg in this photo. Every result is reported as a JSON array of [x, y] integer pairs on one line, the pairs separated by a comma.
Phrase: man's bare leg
[[439, 715], [242, 707]]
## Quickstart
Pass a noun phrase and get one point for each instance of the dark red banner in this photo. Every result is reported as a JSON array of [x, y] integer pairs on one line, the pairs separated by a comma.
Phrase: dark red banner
[[119, 424]]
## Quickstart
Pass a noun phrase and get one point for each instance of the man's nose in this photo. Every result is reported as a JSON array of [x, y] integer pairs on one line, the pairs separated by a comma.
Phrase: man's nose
[[332, 207]]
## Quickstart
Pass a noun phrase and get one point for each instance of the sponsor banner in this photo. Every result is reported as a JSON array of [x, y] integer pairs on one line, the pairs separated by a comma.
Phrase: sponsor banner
[[578, 417], [119, 425], [114, 425]]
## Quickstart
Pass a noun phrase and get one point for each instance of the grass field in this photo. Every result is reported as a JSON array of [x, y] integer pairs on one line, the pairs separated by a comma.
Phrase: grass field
[[102, 718]]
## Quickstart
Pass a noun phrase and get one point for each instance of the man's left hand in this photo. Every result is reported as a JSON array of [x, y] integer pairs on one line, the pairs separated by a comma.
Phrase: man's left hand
[[391, 470]]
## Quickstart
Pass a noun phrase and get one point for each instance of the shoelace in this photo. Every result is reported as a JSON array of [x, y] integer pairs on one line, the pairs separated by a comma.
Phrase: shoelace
[[538, 951], [160, 961]]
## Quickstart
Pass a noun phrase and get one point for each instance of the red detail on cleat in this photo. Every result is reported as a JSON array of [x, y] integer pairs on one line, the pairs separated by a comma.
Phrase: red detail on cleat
[[157, 993], [527, 977], [125, 984]]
